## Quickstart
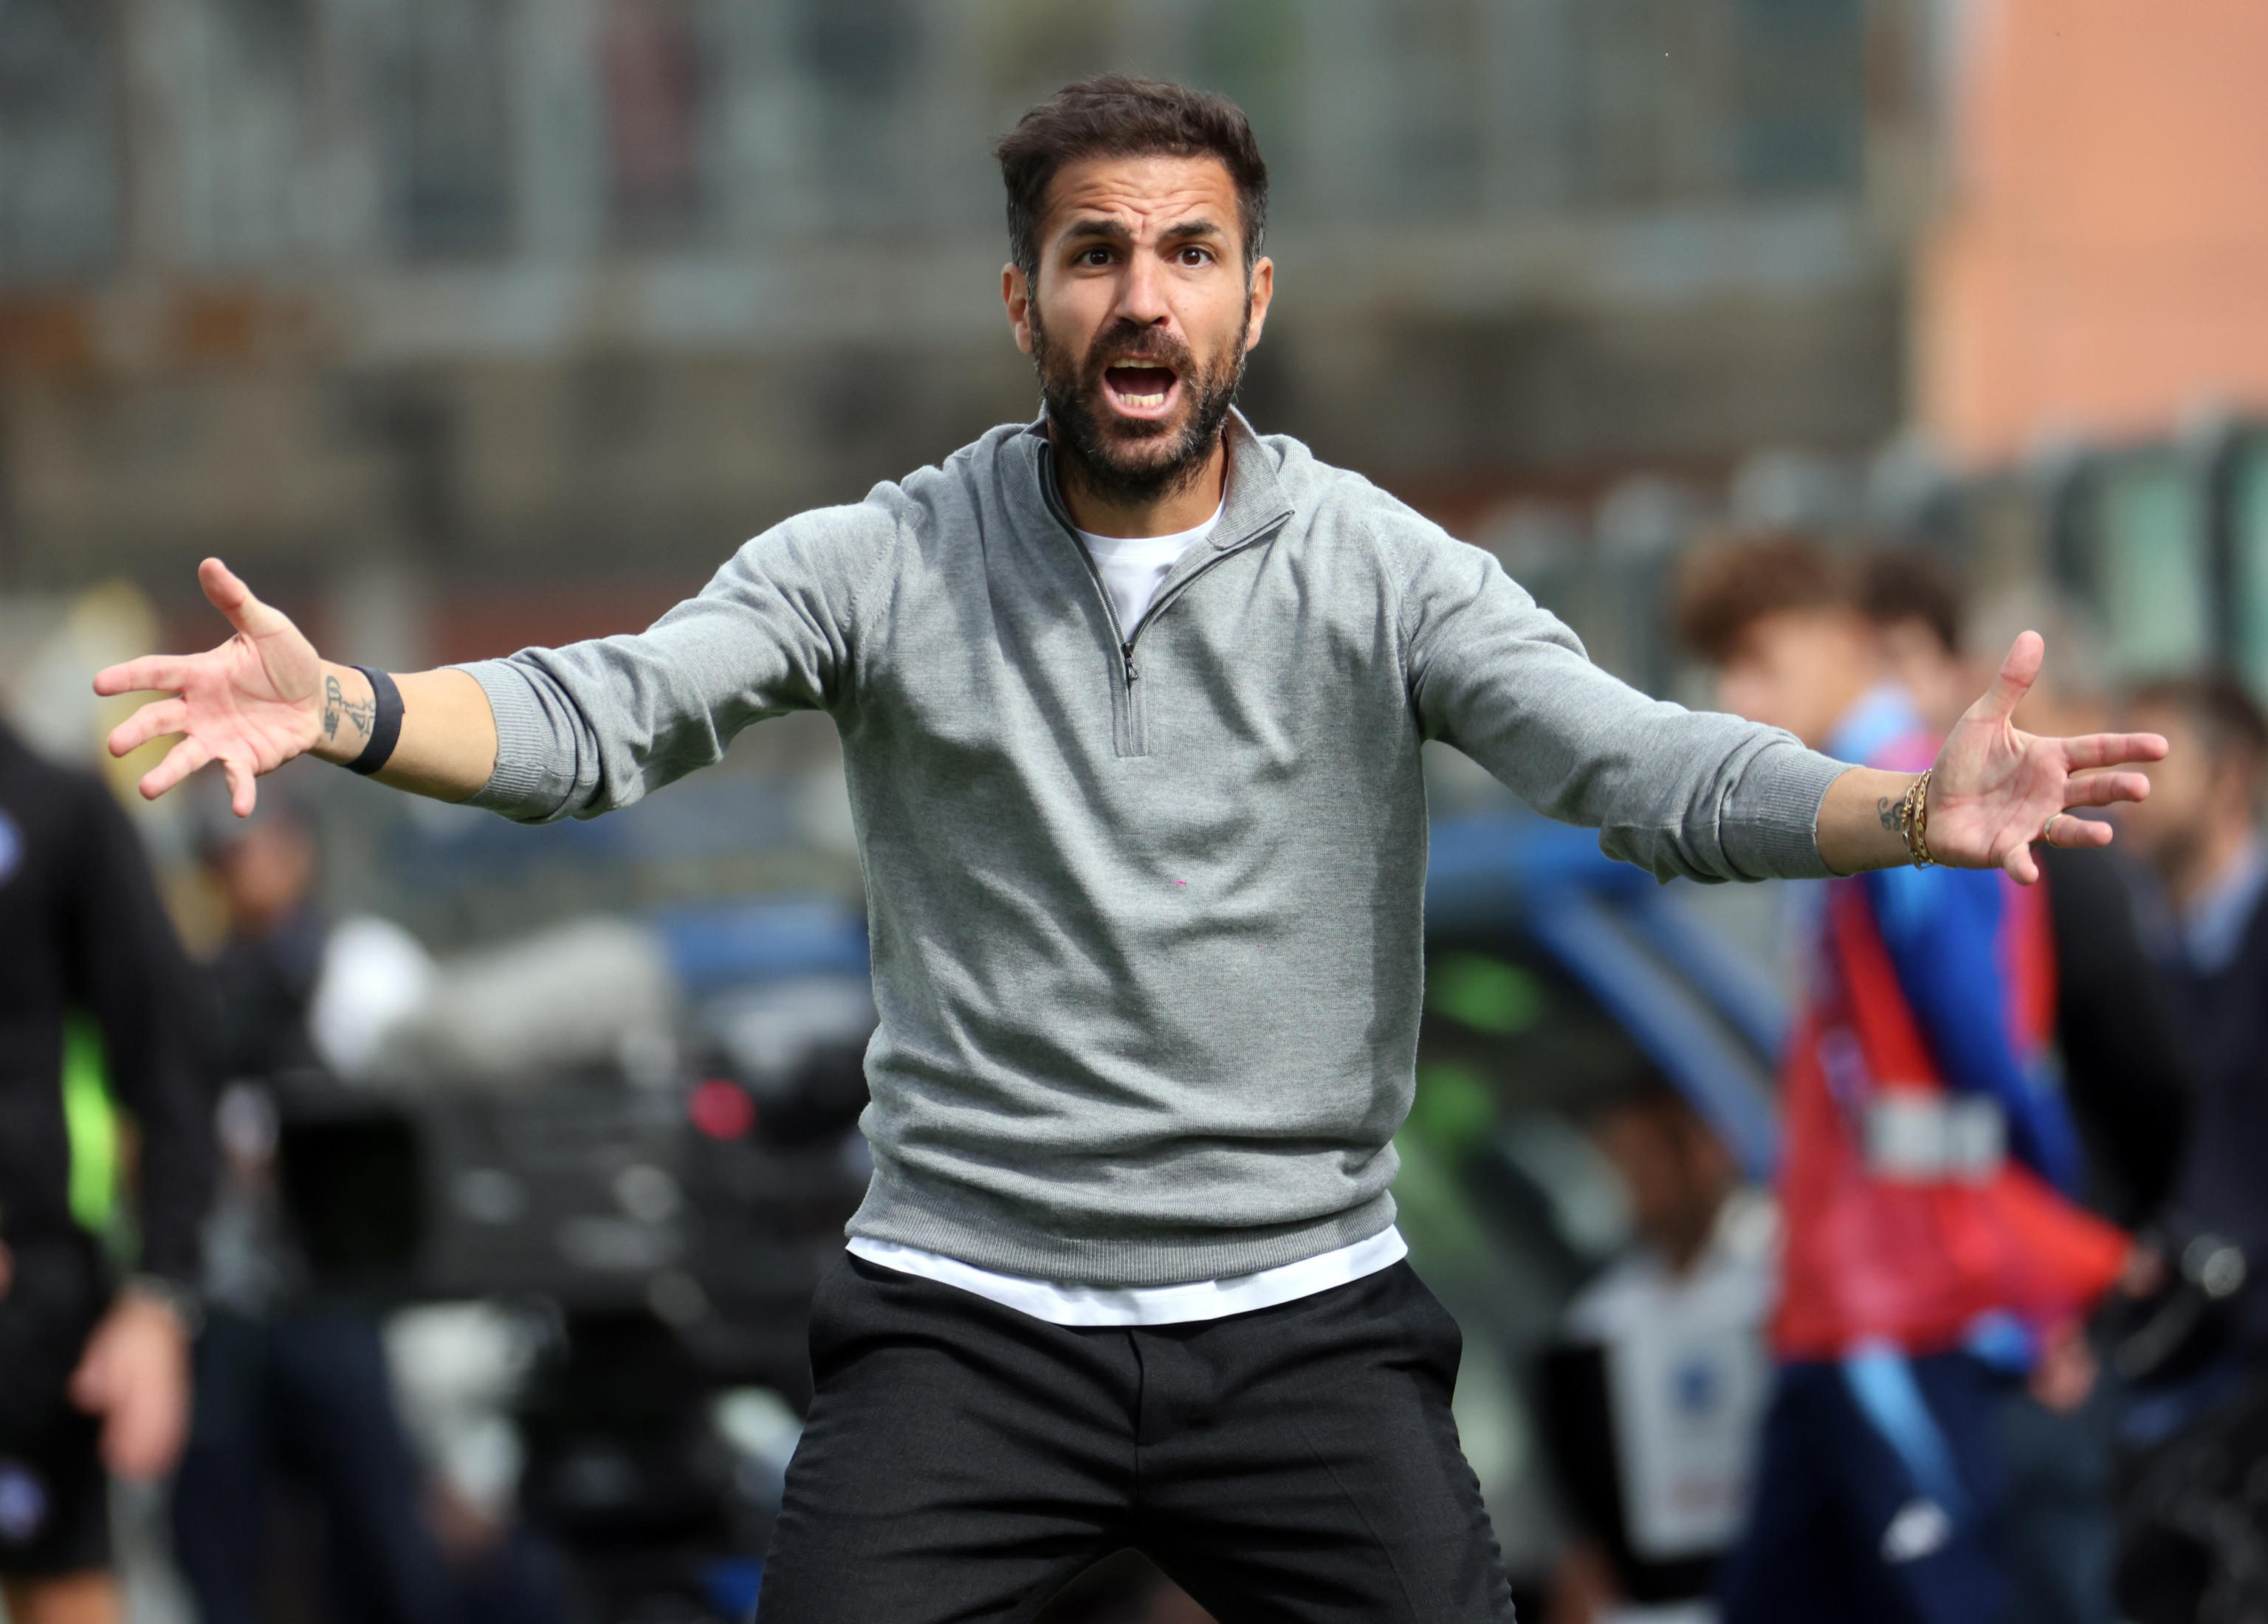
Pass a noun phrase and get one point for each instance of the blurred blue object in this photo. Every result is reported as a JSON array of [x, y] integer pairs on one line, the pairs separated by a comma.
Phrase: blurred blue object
[[731, 1587], [712, 947], [1735, 985], [1711, 1022]]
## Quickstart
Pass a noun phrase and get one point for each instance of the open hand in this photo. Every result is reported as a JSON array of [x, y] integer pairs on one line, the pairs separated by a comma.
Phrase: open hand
[[251, 704], [1997, 788]]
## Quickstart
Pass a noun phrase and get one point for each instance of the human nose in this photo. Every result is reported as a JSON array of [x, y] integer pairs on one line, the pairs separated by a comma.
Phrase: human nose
[[1142, 293]]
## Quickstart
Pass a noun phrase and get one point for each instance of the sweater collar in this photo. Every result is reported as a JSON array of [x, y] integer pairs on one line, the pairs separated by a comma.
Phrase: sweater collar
[[1254, 503]]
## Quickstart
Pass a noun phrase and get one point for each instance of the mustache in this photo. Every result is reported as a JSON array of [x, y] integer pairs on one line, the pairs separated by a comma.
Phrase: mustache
[[1126, 341], [1134, 461]]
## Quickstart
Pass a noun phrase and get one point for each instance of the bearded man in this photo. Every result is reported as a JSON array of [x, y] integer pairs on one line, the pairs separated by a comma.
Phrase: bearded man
[[1130, 700]]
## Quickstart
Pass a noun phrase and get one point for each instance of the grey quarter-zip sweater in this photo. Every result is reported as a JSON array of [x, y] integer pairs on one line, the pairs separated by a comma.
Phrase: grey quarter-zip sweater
[[1146, 901]]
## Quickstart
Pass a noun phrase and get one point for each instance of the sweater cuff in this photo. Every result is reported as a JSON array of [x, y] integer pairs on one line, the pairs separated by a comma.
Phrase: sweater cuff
[[525, 784], [1771, 818]]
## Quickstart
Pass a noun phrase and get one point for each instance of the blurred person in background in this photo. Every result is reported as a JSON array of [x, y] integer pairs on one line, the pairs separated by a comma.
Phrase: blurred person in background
[[2119, 1047], [2201, 835], [2119, 1051], [94, 1373], [1933, 1254], [291, 1387], [1653, 1395], [292, 1383], [260, 983], [1913, 605], [1131, 700], [2197, 1434]]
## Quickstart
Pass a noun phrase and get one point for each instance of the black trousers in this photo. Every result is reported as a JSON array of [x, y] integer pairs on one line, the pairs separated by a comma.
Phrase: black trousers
[[305, 1399], [962, 1461]]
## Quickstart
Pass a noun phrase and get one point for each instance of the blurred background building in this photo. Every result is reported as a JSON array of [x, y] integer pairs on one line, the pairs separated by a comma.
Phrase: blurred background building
[[467, 322], [457, 325], [532, 310]]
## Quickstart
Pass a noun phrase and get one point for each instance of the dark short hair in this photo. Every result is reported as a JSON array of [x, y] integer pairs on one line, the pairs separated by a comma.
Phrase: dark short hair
[[1898, 584], [2223, 713], [1114, 116], [1729, 583]]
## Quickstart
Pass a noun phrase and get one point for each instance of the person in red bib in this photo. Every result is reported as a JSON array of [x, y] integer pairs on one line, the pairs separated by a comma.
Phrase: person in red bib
[[1933, 1253]]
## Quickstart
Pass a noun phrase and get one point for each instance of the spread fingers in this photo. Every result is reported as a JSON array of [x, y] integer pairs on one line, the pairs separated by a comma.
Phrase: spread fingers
[[153, 721], [182, 759]]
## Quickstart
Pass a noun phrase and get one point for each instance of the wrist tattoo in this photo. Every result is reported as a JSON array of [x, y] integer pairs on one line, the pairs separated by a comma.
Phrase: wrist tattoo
[[335, 706], [1887, 809]]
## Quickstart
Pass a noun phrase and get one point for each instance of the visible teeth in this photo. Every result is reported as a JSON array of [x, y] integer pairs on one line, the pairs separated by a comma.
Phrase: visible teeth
[[1143, 400]]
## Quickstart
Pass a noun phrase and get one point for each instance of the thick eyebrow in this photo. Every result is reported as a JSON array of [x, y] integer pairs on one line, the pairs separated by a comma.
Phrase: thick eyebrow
[[1100, 226], [1191, 231], [1103, 228]]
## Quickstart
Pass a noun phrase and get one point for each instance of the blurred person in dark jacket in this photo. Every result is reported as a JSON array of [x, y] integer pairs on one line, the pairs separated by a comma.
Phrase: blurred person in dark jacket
[[262, 981], [292, 1386], [2200, 834], [1932, 1255], [2197, 1434], [93, 1374]]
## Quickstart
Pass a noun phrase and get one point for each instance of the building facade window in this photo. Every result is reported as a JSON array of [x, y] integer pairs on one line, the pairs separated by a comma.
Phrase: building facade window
[[451, 128], [59, 180], [651, 67]]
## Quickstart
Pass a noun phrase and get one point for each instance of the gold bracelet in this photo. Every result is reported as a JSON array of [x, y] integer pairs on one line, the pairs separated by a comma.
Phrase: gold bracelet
[[1913, 820]]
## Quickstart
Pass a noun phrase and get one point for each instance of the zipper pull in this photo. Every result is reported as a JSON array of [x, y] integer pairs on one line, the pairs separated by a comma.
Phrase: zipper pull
[[1127, 649]]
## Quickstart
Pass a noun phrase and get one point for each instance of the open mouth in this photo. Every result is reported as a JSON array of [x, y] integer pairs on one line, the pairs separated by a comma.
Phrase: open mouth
[[1140, 388]]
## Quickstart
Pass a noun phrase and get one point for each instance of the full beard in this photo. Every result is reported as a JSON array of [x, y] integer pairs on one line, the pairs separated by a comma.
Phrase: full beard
[[1128, 463]]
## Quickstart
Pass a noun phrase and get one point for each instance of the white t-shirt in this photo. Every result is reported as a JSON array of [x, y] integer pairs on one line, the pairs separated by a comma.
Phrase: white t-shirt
[[1124, 1305], [1135, 567], [1688, 1377]]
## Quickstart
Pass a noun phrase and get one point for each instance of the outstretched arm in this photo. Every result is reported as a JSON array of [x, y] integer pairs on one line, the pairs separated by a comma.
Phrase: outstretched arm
[[265, 696], [549, 732], [1994, 791], [1709, 795]]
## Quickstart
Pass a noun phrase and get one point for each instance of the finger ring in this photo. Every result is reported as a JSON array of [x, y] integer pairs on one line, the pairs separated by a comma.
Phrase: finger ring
[[2047, 829]]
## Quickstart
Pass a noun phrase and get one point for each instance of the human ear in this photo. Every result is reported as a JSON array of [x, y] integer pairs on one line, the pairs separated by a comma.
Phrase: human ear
[[1262, 290], [1016, 294]]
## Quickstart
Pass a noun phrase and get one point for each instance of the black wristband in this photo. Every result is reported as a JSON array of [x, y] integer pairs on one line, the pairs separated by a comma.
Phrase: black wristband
[[384, 723]]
